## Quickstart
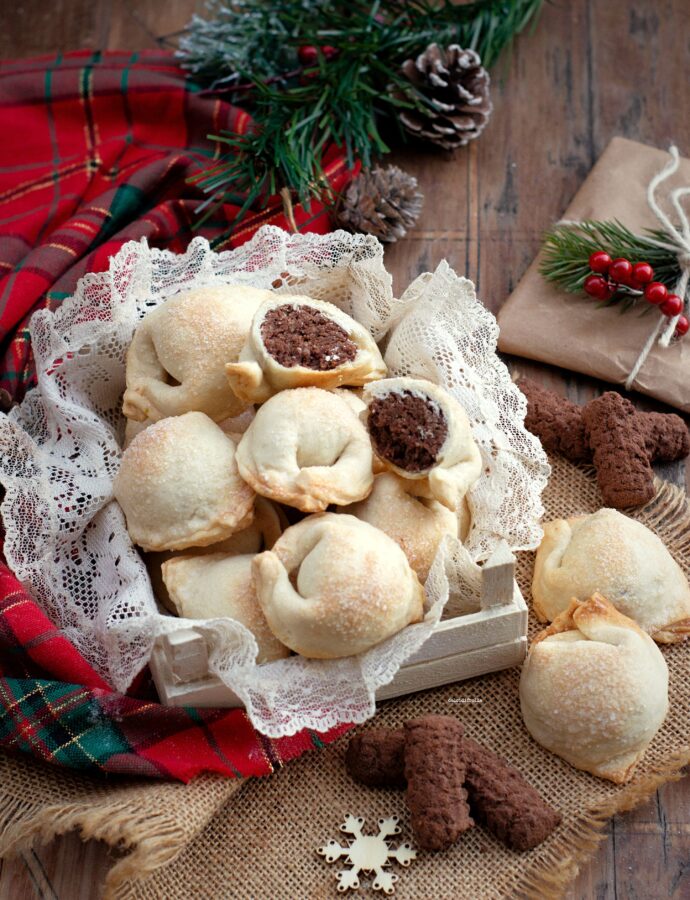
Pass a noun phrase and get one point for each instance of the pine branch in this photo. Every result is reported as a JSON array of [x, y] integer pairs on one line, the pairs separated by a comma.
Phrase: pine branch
[[250, 48], [567, 248]]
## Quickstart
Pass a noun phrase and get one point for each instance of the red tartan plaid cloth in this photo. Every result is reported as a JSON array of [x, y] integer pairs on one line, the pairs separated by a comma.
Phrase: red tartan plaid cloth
[[96, 151]]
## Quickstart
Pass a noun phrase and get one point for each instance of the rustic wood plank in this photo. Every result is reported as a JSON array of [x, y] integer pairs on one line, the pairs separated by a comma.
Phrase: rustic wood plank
[[35, 27], [144, 24]]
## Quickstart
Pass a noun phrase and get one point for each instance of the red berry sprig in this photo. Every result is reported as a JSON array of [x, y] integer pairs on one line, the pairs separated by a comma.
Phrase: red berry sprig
[[612, 275], [308, 55]]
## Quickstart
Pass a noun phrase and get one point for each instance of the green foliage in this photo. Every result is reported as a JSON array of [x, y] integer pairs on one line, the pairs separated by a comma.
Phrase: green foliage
[[567, 248], [249, 48]]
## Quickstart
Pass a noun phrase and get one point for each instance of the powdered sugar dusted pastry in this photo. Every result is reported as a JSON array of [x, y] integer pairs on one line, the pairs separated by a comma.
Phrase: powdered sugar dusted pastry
[[298, 341], [176, 361], [179, 486], [594, 689], [334, 586], [420, 431], [307, 448], [418, 525], [267, 525], [216, 585], [612, 553]]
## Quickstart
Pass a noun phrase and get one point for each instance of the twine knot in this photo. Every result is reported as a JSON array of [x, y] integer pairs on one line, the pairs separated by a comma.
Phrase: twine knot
[[678, 243]]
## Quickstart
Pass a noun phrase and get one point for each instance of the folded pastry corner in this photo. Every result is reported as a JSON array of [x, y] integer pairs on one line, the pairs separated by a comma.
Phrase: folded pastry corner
[[594, 689], [306, 447], [175, 363], [217, 585], [621, 558], [417, 524]]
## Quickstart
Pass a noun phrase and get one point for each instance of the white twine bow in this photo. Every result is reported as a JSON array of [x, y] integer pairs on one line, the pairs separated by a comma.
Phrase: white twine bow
[[679, 244]]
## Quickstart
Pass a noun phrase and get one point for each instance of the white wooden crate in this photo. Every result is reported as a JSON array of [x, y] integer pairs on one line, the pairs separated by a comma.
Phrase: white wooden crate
[[493, 638]]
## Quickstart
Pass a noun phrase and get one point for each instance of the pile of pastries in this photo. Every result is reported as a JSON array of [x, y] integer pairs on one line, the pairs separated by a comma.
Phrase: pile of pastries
[[272, 473], [595, 686]]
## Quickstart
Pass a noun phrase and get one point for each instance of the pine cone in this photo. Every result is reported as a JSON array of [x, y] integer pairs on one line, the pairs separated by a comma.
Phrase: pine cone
[[457, 85], [382, 202]]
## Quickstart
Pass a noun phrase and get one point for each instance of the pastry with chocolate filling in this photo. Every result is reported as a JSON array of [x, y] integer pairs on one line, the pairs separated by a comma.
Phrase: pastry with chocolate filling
[[419, 431], [307, 448], [334, 586], [179, 485], [216, 585], [417, 524], [176, 361], [298, 341]]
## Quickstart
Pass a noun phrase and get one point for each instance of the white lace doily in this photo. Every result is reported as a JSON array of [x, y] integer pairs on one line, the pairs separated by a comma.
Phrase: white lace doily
[[59, 451]]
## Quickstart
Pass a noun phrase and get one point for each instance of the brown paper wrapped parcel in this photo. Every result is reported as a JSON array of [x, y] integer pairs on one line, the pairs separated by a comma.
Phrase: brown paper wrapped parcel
[[572, 332]]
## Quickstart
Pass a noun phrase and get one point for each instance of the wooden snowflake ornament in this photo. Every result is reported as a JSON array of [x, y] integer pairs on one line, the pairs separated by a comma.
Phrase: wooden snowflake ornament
[[368, 853]]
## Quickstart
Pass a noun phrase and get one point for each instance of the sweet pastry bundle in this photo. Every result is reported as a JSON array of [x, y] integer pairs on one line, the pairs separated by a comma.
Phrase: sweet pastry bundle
[[272, 473], [594, 689]]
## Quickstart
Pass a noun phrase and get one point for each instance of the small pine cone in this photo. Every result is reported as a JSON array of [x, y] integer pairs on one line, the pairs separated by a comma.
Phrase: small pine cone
[[457, 85], [382, 202]]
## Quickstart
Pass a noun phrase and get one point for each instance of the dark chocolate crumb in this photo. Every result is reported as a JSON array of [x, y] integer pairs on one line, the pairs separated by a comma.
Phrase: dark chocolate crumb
[[407, 430], [303, 336]]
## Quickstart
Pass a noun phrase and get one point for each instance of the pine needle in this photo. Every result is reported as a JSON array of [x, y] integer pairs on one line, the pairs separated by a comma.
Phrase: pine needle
[[567, 248], [249, 50]]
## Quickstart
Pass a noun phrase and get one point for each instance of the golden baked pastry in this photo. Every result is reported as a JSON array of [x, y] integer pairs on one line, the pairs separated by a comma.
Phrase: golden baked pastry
[[267, 524], [216, 585], [307, 448], [594, 689], [176, 361], [622, 559], [417, 524], [420, 431], [298, 341], [179, 486], [334, 586]]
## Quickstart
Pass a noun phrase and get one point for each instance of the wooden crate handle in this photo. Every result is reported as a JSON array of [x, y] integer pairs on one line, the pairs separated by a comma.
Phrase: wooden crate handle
[[186, 655], [498, 578]]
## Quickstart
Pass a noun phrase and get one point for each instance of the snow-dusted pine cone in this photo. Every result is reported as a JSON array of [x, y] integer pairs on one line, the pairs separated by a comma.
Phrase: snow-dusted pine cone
[[457, 85], [382, 202]]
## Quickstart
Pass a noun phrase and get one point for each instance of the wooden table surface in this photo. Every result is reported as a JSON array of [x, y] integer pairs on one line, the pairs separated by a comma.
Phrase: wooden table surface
[[591, 70]]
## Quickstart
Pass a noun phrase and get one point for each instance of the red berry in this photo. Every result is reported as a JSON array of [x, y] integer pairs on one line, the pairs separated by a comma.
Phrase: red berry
[[643, 272], [672, 305], [682, 326], [308, 55], [600, 261], [620, 270], [329, 52], [596, 286], [655, 292]]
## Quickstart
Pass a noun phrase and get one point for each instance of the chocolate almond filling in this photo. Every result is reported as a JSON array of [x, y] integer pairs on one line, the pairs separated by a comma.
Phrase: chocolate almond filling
[[303, 336], [407, 430]]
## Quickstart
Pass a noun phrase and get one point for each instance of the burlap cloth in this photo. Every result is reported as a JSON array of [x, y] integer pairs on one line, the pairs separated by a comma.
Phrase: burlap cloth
[[217, 838]]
